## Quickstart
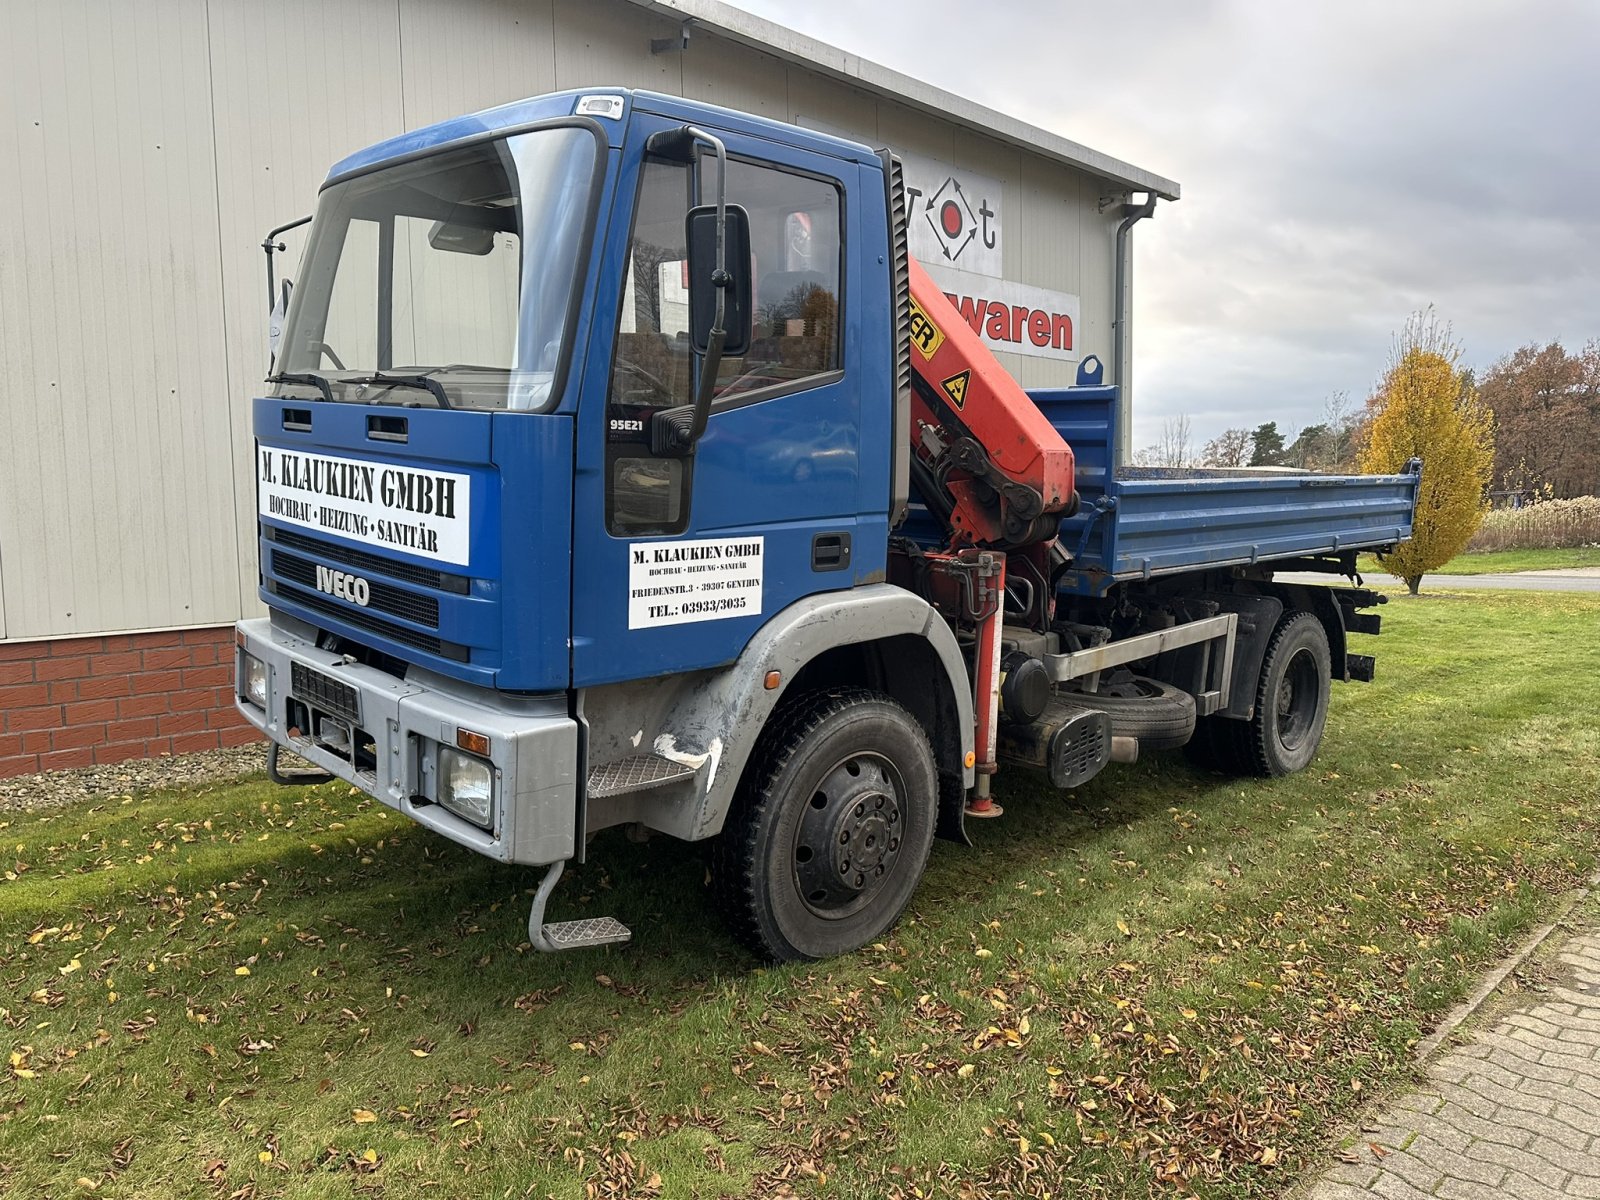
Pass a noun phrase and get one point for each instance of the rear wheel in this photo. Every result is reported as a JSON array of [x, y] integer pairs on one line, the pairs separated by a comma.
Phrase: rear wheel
[[1291, 707], [831, 827]]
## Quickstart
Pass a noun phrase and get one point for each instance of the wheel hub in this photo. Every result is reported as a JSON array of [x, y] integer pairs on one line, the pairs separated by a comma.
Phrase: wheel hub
[[849, 836], [1297, 700]]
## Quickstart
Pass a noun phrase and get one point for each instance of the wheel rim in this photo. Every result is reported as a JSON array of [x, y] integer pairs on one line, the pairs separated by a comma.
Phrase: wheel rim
[[1297, 700], [849, 836]]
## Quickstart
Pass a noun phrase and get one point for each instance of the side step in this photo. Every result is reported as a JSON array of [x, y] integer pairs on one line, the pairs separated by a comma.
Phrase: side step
[[636, 773], [569, 935]]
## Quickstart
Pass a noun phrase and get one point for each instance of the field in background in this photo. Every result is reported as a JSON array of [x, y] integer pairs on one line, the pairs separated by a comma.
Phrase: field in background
[[1167, 976], [1502, 562], [1548, 525]]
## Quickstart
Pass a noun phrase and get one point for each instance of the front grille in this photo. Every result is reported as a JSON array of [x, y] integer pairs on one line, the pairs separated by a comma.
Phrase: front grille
[[332, 552], [362, 619], [321, 692], [412, 606]]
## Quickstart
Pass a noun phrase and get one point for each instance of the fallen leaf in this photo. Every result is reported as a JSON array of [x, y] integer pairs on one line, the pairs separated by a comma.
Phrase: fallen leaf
[[965, 1070], [363, 1116], [241, 970]]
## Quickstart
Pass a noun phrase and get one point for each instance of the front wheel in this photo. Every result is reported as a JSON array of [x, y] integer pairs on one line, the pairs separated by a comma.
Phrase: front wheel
[[831, 827]]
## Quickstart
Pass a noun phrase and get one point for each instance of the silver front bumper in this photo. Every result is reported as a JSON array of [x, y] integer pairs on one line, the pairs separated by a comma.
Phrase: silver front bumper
[[533, 743]]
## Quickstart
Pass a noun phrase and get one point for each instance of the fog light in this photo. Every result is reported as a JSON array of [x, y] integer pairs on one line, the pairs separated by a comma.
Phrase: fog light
[[255, 681], [466, 786]]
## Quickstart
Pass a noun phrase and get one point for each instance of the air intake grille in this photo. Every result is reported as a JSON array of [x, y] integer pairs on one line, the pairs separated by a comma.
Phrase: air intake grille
[[321, 692], [360, 618], [332, 552], [895, 185], [412, 606]]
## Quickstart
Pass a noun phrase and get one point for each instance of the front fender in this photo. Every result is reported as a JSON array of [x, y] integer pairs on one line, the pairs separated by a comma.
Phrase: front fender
[[721, 716]]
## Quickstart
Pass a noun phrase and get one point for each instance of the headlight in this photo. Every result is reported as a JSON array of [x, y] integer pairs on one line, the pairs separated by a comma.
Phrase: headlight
[[255, 681], [466, 786]]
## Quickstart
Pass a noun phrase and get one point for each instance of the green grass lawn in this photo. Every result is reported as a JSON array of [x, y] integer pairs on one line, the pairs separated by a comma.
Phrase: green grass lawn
[[1501, 562], [1165, 980]]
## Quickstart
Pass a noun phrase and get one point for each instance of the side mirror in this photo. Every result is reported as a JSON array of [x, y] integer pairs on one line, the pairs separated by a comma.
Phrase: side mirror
[[737, 305]]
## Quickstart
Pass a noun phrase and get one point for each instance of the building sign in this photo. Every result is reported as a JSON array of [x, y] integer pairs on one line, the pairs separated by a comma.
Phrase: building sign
[[956, 216], [957, 222], [956, 225], [388, 506], [1014, 317]]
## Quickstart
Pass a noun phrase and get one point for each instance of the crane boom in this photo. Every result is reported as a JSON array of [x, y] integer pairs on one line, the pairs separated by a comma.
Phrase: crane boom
[[997, 469]]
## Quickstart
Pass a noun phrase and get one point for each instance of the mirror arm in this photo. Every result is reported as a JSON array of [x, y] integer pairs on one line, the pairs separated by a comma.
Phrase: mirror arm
[[721, 280], [271, 244]]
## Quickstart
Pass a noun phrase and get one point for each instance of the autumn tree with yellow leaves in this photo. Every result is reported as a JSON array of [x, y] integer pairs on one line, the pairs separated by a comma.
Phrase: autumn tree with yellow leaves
[[1427, 407]]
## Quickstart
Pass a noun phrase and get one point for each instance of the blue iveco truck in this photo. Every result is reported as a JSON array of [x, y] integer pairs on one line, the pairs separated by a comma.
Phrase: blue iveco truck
[[621, 468]]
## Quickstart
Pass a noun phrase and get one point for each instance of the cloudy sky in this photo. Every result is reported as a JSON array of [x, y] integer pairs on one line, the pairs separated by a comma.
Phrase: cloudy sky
[[1342, 165]]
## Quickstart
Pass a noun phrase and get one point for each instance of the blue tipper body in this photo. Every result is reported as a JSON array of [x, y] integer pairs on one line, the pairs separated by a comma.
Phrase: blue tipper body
[[1138, 523]]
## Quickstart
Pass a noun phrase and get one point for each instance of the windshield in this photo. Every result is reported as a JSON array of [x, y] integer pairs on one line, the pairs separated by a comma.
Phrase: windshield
[[447, 280]]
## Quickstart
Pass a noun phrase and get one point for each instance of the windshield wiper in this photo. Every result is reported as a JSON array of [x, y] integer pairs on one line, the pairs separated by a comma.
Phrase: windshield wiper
[[421, 382], [305, 379]]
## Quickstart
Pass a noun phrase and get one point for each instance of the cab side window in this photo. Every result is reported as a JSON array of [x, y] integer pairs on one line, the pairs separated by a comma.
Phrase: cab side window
[[652, 366], [795, 242], [796, 245]]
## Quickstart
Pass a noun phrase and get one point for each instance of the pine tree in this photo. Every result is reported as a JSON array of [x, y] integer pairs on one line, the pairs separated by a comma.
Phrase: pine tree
[[1427, 407], [1266, 446]]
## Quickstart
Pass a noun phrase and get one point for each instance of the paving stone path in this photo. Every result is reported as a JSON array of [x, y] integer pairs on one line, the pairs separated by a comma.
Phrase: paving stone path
[[1514, 1112]]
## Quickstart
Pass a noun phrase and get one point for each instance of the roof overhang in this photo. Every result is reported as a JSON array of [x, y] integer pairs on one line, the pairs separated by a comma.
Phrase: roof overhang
[[736, 25]]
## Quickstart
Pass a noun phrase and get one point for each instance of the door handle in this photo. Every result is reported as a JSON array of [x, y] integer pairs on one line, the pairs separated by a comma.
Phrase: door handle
[[830, 552]]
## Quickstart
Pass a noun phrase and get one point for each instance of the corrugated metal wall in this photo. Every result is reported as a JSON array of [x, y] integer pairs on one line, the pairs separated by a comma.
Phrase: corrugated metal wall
[[146, 147]]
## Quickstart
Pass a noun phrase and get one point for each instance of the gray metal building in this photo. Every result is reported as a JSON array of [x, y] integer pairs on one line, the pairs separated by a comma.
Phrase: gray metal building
[[148, 145]]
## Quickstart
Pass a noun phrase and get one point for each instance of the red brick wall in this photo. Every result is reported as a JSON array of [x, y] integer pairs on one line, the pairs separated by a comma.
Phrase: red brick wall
[[75, 702]]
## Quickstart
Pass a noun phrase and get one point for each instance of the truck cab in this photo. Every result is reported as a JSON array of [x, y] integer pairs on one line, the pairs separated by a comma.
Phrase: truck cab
[[585, 499]]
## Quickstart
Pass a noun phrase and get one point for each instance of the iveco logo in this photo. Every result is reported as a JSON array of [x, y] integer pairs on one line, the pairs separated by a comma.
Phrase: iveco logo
[[344, 585]]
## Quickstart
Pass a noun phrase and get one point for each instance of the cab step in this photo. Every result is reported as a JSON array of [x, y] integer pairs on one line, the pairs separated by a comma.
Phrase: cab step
[[569, 935], [575, 935], [636, 773]]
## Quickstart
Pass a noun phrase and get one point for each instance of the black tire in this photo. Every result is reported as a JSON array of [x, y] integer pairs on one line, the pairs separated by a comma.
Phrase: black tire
[[1291, 704], [1159, 715], [830, 828]]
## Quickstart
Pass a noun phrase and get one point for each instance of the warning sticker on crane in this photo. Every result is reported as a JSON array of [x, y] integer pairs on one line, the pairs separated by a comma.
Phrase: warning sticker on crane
[[956, 388], [925, 335]]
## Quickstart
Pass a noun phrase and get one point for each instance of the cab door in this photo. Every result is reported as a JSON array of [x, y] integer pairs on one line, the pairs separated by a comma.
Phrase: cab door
[[678, 560]]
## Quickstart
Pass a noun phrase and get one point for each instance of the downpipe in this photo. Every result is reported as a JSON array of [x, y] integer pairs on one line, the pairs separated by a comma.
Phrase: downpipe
[[1132, 215]]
